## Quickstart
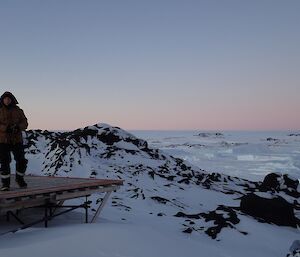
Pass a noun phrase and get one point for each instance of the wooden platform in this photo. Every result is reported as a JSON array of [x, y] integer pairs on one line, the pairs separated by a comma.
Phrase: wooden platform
[[53, 191]]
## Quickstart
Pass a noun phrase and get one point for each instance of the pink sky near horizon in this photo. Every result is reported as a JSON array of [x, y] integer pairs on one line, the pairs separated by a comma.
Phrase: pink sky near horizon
[[270, 119], [153, 65]]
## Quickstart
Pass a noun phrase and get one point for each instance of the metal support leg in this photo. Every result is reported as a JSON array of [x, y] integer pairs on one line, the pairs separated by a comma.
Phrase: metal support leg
[[58, 205], [50, 211], [10, 213], [86, 209], [46, 215]]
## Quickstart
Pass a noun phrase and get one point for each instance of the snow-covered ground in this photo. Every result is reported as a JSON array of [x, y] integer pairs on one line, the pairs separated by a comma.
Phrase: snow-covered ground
[[142, 236], [141, 219]]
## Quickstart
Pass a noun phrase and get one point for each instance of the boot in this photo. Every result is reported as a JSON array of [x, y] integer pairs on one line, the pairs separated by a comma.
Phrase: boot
[[4, 188], [5, 183], [20, 181]]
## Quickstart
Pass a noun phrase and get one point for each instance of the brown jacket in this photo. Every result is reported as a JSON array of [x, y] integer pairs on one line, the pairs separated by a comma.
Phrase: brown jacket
[[9, 116]]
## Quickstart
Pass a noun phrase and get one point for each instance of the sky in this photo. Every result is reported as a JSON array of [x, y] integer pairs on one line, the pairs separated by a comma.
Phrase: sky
[[159, 64]]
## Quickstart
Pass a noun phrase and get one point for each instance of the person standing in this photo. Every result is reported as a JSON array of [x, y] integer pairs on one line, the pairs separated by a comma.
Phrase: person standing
[[12, 122]]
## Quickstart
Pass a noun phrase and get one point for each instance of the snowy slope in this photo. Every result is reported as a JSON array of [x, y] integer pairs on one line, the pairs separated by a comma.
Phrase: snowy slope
[[167, 206]]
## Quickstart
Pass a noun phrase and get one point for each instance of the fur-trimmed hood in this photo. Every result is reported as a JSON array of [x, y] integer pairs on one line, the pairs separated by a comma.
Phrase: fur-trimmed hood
[[14, 101]]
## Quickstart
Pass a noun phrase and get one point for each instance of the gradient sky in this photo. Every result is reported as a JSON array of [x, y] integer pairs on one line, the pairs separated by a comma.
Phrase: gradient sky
[[156, 64]]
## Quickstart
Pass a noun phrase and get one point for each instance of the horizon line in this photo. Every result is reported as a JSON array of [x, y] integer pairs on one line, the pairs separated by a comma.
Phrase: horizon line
[[179, 130]]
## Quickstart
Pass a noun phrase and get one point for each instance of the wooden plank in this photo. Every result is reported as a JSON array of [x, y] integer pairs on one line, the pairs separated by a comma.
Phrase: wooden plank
[[50, 189], [57, 184], [29, 202], [85, 193], [101, 206], [54, 189], [23, 204]]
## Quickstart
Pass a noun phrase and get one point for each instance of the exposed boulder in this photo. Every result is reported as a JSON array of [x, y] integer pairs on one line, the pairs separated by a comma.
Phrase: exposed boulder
[[271, 182], [276, 210], [290, 182], [279, 182]]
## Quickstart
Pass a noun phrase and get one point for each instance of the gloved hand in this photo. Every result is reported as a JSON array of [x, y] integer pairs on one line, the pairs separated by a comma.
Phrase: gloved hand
[[9, 130], [12, 129], [15, 128]]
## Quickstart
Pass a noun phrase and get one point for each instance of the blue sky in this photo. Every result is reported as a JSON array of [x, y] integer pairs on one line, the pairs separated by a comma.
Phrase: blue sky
[[153, 64]]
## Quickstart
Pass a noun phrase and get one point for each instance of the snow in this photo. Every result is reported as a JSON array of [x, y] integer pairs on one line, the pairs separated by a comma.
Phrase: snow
[[142, 236], [130, 224], [107, 239], [244, 154]]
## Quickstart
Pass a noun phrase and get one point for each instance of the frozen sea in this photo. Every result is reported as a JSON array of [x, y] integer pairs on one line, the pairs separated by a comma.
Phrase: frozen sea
[[246, 154]]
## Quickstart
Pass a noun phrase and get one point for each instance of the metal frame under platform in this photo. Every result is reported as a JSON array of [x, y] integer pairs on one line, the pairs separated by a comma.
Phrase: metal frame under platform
[[50, 193]]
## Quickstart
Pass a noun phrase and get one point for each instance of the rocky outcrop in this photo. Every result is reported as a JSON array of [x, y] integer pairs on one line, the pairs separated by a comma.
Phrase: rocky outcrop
[[281, 182], [154, 179], [62, 151], [222, 217], [274, 200], [275, 210]]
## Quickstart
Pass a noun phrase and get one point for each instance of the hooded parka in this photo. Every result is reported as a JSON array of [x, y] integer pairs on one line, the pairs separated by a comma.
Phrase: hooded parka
[[11, 115], [12, 123]]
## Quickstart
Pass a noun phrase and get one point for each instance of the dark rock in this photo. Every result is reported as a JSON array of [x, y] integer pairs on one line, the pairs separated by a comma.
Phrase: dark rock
[[151, 174], [279, 182], [294, 135], [276, 210], [109, 138], [227, 218], [188, 231], [183, 167], [275, 140], [210, 179], [290, 183], [222, 217], [160, 199], [271, 182], [190, 216], [216, 177]]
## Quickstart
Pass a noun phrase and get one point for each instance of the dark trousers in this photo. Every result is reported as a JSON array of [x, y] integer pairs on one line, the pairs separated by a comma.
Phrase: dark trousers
[[5, 159]]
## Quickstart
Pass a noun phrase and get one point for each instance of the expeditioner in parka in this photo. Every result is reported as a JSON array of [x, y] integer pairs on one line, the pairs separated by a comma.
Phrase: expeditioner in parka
[[12, 122]]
